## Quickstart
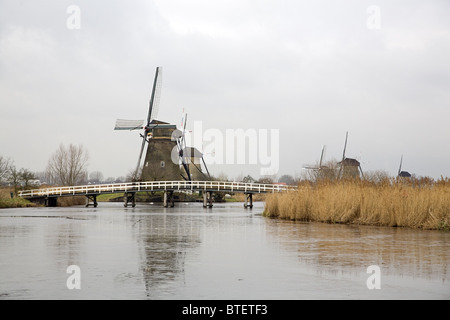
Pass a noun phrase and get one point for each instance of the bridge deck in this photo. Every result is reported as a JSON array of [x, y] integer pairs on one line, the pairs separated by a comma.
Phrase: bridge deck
[[211, 186]]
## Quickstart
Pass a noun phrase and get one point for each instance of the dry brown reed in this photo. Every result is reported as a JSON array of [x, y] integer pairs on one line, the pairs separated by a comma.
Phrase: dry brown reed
[[390, 202]]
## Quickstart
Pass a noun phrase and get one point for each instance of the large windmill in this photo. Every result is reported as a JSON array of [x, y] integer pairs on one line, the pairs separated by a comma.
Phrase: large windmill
[[348, 167], [165, 143]]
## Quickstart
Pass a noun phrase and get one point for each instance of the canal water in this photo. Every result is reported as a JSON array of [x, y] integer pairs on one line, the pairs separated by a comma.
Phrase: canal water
[[226, 252]]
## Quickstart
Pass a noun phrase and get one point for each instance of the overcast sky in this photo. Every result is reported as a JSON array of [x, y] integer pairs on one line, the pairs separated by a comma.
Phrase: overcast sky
[[311, 69]]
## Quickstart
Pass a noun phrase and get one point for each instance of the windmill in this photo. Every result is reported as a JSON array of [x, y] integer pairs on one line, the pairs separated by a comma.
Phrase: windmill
[[158, 164], [166, 144], [320, 162], [403, 174], [347, 166], [320, 171], [189, 157]]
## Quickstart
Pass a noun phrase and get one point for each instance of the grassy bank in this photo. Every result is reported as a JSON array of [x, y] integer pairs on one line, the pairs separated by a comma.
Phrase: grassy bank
[[387, 203], [240, 197], [7, 202]]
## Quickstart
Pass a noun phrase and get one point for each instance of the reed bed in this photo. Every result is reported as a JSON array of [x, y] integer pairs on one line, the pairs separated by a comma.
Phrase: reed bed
[[387, 203]]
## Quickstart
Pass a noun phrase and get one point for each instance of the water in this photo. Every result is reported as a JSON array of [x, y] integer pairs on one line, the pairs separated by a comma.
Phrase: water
[[226, 252]]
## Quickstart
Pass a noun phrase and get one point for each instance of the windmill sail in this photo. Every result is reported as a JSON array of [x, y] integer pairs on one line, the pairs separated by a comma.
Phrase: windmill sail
[[181, 151], [343, 155], [122, 124], [150, 116], [320, 161], [345, 146], [153, 105]]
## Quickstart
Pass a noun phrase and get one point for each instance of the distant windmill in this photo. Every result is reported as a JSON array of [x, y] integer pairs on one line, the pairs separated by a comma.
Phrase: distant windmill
[[347, 166], [190, 157], [403, 174], [161, 159], [320, 167], [320, 161], [321, 171]]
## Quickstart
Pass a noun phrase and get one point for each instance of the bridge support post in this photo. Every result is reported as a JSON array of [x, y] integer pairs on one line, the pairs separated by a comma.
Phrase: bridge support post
[[207, 199], [168, 199], [129, 197], [93, 199], [51, 201], [248, 200]]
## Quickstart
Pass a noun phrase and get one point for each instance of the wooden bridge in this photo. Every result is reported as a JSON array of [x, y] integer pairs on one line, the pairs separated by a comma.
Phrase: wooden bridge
[[49, 196]]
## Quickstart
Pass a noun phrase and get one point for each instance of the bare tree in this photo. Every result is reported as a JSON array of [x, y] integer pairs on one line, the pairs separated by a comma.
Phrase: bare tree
[[327, 171], [288, 179], [133, 176], [67, 166], [14, 177], [27, 176], [265, 180], [376, 176], [5, 167], [96, 177]]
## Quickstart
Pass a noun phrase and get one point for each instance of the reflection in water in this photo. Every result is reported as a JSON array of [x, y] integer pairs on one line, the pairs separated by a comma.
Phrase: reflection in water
[[189, 252], [350, 248], [164, 240]]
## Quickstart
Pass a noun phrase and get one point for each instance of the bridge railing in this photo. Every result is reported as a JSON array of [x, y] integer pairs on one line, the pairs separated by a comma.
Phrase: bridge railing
[[224, 186]]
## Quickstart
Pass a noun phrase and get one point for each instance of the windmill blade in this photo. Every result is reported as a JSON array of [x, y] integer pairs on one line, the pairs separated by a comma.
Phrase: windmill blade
[[183, 150], [185, 121], [345, 146], [184, 130], [321, 156], [343, 155], [140, 157], [182, 119], [400, 167], [152, 110], [122, 124], [154, 98], [186, 168], [310, 168]]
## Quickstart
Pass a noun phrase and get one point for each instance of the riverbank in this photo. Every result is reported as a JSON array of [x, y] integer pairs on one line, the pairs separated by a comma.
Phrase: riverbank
[[6, 201], [387, 203]]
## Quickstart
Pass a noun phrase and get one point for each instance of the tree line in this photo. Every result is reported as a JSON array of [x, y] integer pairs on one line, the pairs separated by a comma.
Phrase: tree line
[[67, 166]]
